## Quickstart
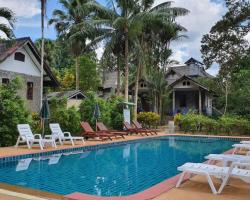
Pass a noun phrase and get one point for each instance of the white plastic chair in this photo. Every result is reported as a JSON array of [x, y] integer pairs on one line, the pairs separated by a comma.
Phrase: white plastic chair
[[23, 164], [240, 146], [224, 173], [57, 133], [227, 159], [26, 136]]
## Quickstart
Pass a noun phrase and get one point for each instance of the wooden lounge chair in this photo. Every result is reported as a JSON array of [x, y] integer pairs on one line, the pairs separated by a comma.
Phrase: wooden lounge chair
[[139, 126], [131, 129], [90, 133], [102, 127]]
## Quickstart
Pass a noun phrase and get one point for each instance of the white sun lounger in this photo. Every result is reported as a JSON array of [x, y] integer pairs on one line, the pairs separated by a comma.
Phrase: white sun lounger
[[227, 159], [23, 164], [54, 159], [223, 173], [238, 147], [57, 133], [245, 142], [26, 136]]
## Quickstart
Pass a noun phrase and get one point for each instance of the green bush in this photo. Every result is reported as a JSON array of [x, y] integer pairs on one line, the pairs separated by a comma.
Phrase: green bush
[[203, 124], [68, 118], [116, 113], [12, 112], [111, 110], [148, 119]]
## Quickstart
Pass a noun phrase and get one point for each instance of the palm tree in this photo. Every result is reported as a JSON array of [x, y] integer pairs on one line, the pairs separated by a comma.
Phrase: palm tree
[[158, 86], [43, 6], [117, 30], [8, 15], [75, 25], [158, 29]]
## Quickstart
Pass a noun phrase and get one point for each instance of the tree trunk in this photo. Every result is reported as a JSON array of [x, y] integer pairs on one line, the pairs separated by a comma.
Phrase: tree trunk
[[155, 102], [77, 72], [118, 87], [42, 48], [160, 107], [126, 64], [226, 97], [138, 70]]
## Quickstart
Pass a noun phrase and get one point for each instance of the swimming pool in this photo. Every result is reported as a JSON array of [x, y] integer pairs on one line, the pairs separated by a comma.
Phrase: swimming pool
[[111, 170]]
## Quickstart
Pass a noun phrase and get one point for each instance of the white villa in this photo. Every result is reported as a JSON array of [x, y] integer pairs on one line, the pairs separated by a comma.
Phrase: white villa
[[21, 58]]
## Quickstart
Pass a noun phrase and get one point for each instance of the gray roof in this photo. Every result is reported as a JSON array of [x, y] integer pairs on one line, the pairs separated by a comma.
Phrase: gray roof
[[65, 94], [191, 71]]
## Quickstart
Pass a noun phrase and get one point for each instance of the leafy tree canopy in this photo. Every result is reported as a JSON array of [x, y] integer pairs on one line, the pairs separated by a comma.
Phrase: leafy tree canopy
[[226, 43]]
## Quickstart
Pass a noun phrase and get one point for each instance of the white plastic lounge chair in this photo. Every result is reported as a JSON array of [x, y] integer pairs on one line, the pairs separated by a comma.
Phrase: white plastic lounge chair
[[26, 136], [23, 164], [227, 159], [238, 147], [223, 173], [57, 133], [245, 142], [54, 159]]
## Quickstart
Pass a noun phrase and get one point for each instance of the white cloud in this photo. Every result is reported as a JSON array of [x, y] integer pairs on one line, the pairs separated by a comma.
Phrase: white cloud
[[99, 52], [203, 15], [247, 37], [24, 11], [22, 8]]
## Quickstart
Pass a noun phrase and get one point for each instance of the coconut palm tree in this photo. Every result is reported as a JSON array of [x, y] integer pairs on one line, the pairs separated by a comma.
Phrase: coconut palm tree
[[158, 30], [75, 25], [8, 15], [43, 6]]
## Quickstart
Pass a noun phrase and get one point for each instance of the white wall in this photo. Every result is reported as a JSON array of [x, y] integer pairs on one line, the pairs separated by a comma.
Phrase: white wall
[[27, 67]]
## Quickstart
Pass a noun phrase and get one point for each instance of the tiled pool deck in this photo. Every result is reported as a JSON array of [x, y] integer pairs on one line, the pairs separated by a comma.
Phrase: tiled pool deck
[[195, 189]]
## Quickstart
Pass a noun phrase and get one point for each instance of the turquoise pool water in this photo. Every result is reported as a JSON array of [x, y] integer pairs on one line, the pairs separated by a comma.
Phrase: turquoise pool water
[[113, 171]]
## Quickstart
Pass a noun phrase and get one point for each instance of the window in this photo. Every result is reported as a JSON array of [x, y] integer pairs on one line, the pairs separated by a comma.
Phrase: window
[[184, 83], [5, 81], [30, 90], [19, 56], [188, 83]]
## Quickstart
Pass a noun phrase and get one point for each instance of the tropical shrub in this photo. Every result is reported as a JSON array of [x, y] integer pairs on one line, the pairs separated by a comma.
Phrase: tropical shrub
[[111, 110], [87, 108], [148, 119], [116, 112], [203, 124], [68, 118], [12, 112]]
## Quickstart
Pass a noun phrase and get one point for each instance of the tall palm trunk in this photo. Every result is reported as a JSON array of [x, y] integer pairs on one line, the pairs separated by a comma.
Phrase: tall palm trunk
[[126, 64], [160, 107], [155, 102], [118, 87], [226, 97], [77, 72], [138, 70], [43, 2]]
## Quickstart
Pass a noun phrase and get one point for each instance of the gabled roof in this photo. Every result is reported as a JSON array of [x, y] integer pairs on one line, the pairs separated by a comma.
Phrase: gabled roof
[[191, 80], [192, 60], [172, 69], [8, 47], [66, 94]]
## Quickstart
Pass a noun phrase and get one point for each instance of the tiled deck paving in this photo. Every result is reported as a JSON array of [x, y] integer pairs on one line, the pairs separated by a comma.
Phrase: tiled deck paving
[[195, 189]]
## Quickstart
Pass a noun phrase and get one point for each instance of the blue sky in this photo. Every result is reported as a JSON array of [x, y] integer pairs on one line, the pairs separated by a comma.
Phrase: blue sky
[[203, 15], [34, 32]]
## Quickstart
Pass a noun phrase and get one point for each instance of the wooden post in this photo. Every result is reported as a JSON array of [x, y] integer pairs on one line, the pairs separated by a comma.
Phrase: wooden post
[[200, 106], [173, 101]]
